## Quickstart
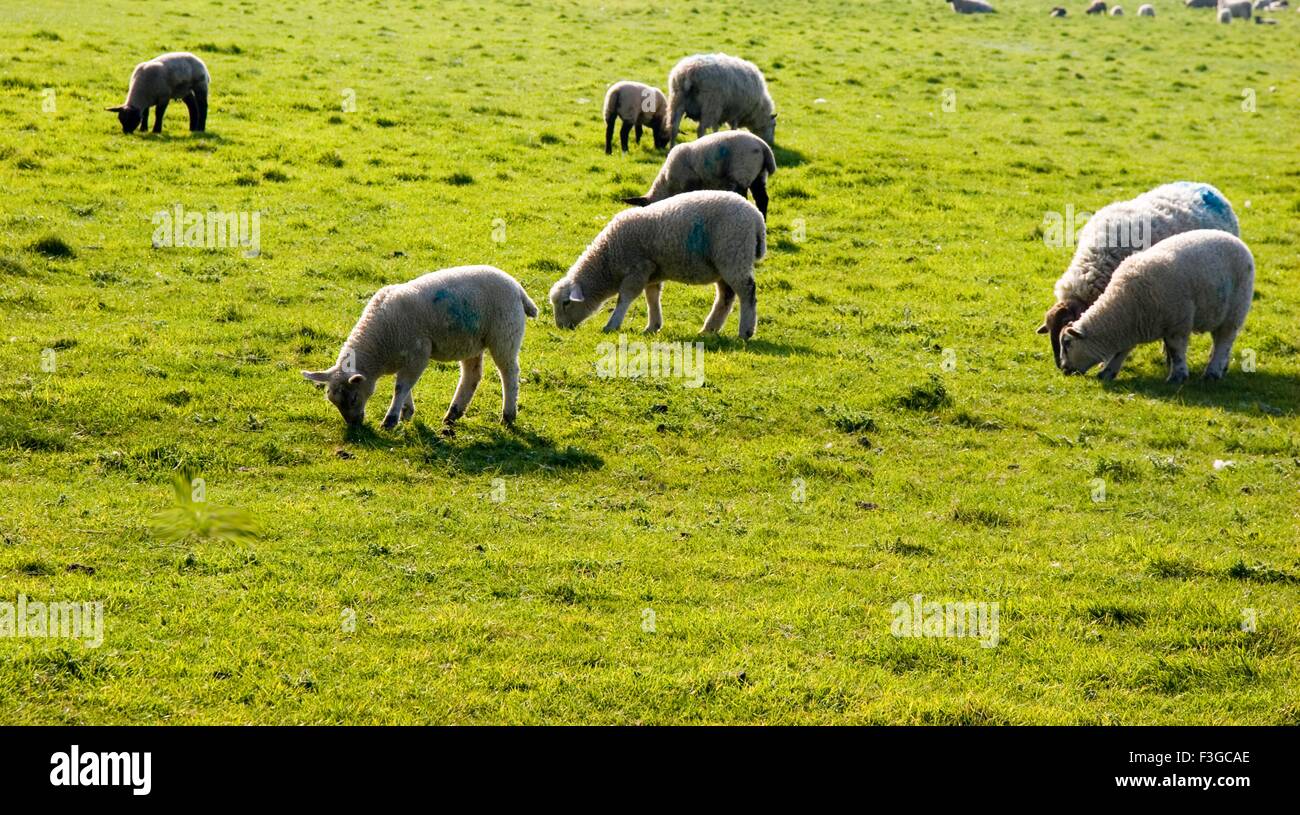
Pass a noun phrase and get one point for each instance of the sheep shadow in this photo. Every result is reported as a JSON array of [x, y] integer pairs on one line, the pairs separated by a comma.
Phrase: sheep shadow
[[1260, 393], [499, 450], [788, 157], [758, 345]]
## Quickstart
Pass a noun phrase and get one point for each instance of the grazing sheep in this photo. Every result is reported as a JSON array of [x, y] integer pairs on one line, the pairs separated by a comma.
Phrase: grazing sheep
[[450, 315], [1238, 8], [1146, 10], [1097, 7], [1122, 228], [1117, 11], [716, 88], [1225, 15], [735, 160], [1056, 11], [635, 105], [1201, 3], [1197, 282], [971, 7], [695, 237], [178, 75]]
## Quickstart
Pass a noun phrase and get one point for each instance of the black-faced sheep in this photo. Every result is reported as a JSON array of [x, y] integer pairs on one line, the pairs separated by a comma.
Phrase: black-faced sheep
[[717, 89], [635, 105], [1197, 282], [696, 237], [451, 316], [178, 75], [736, 160]]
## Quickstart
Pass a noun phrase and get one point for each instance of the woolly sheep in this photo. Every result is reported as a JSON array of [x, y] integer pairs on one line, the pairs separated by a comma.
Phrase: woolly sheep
[[696, 237], [1238, 8], [449, 315], [1146, 10], [1097, 7], [971, 7], [1225, 15], [1118, 230], [1201, 3], [178, 75], [1056, 11], [1117, 11], [1197, 282], [735, 160], [635, 105], [716, 88]]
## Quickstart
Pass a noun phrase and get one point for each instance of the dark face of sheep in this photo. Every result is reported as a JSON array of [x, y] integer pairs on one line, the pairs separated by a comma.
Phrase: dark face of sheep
[[1058, 317], [128, 116], [1076, 357], [348, 393], [768, 132], [661, 134]]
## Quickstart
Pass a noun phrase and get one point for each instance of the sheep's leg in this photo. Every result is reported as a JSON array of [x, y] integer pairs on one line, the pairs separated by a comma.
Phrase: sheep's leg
[[507, 363], [721, 308], [144, 120], [408, 407], [759, 189], [609, 135], [471, 371], [158, 116], [656, 317], [1112, 367], [1176, 355], [638, 132], [1221, 353], [192, 106], [632, 287], [201, 106], [622, 134], [748, 294]]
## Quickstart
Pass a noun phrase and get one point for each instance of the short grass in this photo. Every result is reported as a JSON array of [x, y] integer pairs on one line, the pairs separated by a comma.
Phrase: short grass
[[902, 236]]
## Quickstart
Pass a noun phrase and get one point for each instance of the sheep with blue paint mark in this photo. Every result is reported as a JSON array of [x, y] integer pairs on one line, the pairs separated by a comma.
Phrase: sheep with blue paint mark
[[735, 160], [1196, 282], [696, 238], [1120, 229], [451, 315]]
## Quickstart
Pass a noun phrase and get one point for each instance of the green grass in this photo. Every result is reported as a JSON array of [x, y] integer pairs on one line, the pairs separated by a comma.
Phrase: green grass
[[921, 235]]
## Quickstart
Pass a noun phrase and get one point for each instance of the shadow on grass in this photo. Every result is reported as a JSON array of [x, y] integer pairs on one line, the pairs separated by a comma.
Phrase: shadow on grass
[[509, 451], [731, 342], [788, 157], [1260, 393]]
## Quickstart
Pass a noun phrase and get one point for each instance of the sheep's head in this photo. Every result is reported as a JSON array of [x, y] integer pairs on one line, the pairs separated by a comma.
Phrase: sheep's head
[[1058, 317], [768, 132], [569, 303], [128, 116], [348, 392], [661, 130], [1077, 355]]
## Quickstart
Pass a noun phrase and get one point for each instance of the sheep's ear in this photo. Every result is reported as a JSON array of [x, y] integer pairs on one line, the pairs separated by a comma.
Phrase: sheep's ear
[[356, 379], [575, 294], [1043, 329], [317, 377], [639, 201], [116, 109], [1073, 332]]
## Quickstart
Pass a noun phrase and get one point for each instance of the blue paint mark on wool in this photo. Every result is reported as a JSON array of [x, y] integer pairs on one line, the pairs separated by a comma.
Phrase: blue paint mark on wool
[[698, 241], [460, 311]]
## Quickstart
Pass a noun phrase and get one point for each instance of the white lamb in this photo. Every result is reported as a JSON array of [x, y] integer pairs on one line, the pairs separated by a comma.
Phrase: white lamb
[[734, 160], [1225, 15], [178, 75], [714, 89], [1146, 10], [697, 237], [450, 315], [1117, 11], [1118, 230], [971, 7], [1238, 8], [635, 105], [1197, 282]]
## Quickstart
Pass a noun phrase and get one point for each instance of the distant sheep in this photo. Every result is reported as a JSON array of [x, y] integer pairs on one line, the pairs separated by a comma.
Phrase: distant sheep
[[971, 7], [451, 316], [735, 160], [177, 75], [714, 89], [1201, 3], [1056, 11], [1225, 15], [1122, 228], [1096, 7], [1146, 10], [1197, 282], [1117, 11], [635, 105], [1238, 8], [696, 237]]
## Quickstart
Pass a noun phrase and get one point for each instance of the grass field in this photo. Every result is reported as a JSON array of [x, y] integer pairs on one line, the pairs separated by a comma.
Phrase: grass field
[[652, 553]]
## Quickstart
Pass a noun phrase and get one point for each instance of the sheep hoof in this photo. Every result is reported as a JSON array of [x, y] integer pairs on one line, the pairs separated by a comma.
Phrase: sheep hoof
[[508, 419], [1212, 376], [1106, 376], [1177, 378], [389, 422]]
